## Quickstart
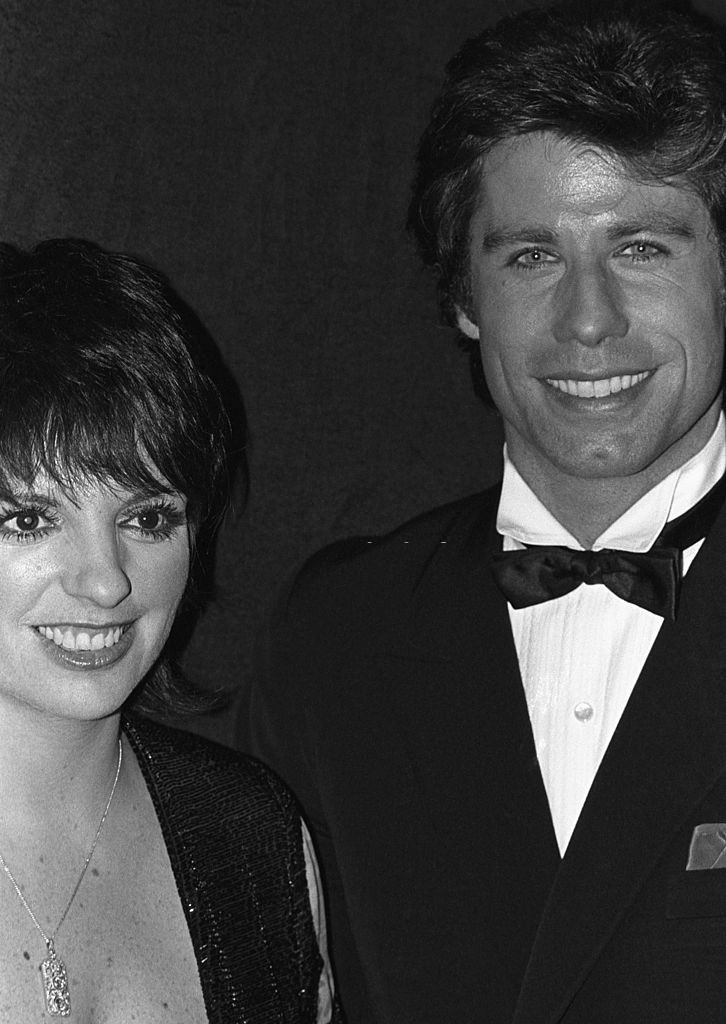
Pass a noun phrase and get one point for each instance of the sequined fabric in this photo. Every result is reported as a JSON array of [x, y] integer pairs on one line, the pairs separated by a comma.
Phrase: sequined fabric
[[233, 836]]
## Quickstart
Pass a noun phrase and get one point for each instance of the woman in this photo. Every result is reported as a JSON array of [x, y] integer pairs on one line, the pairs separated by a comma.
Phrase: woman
[[150, 875]]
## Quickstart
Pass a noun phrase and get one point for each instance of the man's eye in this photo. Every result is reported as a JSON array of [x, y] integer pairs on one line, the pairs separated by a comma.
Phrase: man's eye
[[531, 259], [641, 252]]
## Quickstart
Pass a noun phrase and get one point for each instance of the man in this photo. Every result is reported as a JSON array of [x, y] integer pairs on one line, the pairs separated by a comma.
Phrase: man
[[514, 759]]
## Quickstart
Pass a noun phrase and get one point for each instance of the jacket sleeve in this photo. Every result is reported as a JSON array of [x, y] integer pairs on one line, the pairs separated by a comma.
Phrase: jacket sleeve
[[282, 729]]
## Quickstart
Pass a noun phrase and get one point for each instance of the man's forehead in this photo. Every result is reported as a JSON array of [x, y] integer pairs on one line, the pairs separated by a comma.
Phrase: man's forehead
[[542, 179]]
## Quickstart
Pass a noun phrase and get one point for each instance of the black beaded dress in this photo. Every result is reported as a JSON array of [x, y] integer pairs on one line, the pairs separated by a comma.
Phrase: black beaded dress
[[232, 832]]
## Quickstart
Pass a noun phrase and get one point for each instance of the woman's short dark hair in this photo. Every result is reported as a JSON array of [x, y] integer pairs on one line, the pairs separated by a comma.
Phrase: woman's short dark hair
[[644, 81], [106, 375], [102, 369]]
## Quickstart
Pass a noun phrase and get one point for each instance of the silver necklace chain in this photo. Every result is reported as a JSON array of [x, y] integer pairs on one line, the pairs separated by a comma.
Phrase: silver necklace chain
[[55, 979]]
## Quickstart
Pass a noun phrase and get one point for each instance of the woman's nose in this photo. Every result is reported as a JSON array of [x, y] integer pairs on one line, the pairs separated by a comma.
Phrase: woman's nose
[[590, 306], [95, 571]]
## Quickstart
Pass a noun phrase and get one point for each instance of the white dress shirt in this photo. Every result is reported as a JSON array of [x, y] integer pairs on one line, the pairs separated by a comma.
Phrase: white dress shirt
[[580, 655]]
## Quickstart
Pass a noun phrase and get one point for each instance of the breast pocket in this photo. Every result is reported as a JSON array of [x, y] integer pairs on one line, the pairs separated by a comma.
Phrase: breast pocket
[[697, 894]]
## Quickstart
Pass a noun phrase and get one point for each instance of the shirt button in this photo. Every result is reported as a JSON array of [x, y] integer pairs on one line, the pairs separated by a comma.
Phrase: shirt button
[[584, 711]]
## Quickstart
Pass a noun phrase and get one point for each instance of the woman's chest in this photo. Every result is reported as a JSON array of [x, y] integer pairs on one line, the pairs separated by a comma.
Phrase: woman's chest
[[124, 944]]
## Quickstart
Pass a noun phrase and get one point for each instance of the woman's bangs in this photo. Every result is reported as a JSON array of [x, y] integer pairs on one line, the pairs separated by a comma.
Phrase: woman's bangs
[[75, 451]]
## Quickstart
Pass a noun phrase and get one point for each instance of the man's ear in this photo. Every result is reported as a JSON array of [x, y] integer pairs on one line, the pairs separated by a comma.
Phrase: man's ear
[[466, 326]]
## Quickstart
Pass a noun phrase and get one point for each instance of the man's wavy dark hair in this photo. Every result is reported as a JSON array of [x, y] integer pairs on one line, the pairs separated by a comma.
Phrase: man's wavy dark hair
[[106, 375], [643, 81]]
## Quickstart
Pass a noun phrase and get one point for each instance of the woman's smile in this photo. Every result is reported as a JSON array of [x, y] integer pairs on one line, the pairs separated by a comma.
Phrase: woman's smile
[[83, 638], [84, 647]]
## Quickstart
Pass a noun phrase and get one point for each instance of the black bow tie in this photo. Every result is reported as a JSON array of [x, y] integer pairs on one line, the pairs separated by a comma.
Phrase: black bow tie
[[650, 579]]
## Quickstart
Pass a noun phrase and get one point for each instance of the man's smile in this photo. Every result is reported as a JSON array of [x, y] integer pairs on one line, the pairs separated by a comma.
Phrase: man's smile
[[600, 388]]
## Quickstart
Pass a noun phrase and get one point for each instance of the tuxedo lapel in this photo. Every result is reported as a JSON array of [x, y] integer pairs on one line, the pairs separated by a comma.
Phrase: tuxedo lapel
[[667, 752], [453, 677]]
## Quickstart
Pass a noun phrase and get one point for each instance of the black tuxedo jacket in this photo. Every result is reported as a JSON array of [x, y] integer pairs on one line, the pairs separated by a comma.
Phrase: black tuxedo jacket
[[393, 705]]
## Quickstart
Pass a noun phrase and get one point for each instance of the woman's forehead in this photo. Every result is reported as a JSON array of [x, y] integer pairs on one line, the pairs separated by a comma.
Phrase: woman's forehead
[[77, 487]]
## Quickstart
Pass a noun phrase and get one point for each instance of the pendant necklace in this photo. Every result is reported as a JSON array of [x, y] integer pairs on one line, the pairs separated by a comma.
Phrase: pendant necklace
[[53, 970]]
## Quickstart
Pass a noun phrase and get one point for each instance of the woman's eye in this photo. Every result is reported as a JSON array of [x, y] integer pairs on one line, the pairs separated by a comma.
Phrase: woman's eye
[[155, 522], [27, 521], [149, 520], [26, 524]]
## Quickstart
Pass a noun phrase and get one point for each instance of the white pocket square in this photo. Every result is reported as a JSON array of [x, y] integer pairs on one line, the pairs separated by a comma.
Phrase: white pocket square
[[708, 847]]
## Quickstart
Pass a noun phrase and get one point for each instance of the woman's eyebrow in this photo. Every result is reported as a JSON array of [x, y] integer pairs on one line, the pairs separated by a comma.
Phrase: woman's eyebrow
[[29, 497], [145, 493]]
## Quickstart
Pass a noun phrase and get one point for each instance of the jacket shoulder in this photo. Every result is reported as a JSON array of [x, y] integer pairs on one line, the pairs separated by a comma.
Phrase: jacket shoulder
[[356, 574]]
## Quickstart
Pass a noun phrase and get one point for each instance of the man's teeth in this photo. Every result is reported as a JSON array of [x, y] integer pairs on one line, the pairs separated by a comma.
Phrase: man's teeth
[[81, 639], [598, 388]]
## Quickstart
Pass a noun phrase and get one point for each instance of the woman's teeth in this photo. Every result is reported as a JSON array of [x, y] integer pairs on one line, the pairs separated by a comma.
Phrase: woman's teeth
[[73, 639], [598, 388]]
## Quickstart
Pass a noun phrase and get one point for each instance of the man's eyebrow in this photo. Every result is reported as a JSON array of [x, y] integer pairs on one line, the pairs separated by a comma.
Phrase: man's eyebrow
[[537, 234], [657, 223], [533, 234]]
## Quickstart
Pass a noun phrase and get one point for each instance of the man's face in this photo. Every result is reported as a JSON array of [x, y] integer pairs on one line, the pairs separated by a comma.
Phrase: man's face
[[598, 304]]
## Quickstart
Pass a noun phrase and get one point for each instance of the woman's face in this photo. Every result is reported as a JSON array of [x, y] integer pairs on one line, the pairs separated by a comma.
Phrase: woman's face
[[89, 586]]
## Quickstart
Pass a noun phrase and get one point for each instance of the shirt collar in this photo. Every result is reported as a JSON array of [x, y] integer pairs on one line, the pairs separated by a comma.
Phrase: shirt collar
[[524, 518]]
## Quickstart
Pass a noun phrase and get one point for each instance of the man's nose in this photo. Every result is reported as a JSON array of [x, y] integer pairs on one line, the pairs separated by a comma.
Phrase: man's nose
[[95, 571], [589, 306]]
